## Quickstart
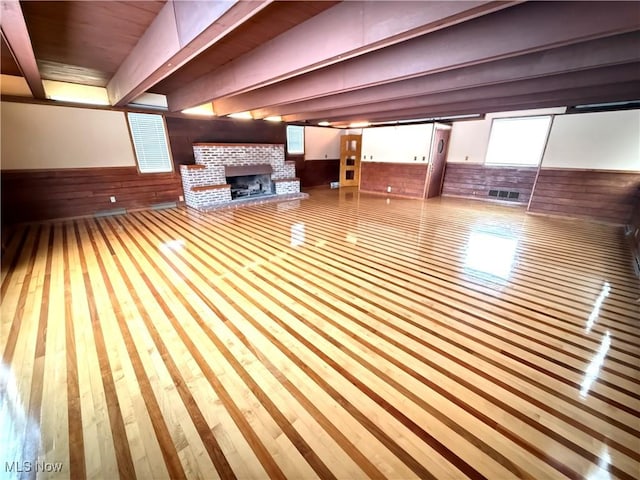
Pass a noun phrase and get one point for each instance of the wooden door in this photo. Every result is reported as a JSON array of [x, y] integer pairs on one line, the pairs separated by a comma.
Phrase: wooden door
[[350, 149], [438, 161]]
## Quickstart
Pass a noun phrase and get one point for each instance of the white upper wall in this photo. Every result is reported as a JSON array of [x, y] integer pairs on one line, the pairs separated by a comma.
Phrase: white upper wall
[[603, 140], [321, 143], [470, 138], [49, 137]]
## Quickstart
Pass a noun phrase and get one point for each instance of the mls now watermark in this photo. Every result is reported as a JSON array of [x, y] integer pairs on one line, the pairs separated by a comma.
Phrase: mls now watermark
[[26, 467]]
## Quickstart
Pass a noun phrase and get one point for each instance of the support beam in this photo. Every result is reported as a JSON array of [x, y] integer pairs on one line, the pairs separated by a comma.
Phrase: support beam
[[16, 36], [617, 92], [537, 86], [345, 31], [617, 50], [527, 28], [180, 32]]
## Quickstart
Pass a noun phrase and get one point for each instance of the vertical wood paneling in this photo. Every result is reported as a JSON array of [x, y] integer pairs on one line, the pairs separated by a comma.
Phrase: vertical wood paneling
[[184, 132], [314, 173], [598, 195], [634, 231]]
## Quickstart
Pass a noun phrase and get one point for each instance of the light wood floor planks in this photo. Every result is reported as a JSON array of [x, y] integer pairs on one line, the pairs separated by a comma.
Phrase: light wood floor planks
[[344, 336]]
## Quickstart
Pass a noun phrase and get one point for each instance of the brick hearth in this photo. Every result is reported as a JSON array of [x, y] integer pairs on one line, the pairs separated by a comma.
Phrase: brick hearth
[[205, 184]]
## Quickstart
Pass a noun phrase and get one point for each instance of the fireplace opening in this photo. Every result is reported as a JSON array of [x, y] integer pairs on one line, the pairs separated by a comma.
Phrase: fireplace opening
[[245, 186]]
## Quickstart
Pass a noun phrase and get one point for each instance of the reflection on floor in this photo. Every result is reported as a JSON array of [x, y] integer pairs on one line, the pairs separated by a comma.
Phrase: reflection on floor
[[344, 335]]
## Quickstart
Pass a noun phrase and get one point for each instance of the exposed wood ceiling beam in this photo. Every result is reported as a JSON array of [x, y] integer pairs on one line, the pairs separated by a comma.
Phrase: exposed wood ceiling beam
[[345, 31], [526, 28], [569, 97], [588, 78], [617, 50], [180, 32], [16, 37]]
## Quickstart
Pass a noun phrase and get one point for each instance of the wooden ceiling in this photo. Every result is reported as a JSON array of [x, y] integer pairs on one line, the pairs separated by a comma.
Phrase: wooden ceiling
[[9, 65], [275, 19], [336, 61], [94, 37]]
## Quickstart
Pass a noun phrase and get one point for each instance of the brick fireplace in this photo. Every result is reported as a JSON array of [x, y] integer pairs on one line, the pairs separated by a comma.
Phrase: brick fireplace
[[225, 173]]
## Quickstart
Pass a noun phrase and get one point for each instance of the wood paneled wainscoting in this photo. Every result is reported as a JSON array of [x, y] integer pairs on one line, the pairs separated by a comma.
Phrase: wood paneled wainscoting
[[475, 181], [29, 195], [633, 230], [336, 337], [405, 179], [315, 173], [599, 195]]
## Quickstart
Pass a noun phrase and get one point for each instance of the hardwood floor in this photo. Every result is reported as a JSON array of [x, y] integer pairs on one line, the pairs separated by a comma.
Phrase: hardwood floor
[[343, 336]]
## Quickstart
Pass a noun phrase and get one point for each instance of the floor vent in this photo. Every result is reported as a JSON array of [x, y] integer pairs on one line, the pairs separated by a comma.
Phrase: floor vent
[[504, 194], [108, 213], [162, 206]]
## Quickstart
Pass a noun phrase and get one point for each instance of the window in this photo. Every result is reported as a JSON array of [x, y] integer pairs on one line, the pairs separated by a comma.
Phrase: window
[[150, 142], [517, 141], [295, 139]]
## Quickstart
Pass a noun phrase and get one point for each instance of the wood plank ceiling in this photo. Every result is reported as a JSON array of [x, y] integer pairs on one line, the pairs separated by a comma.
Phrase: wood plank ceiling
[[343, 61], [9, 65], [85, 42]]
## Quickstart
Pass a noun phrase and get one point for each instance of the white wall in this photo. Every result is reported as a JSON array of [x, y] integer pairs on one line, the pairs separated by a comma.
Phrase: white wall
[[48, 137], [603, 140], [470, 138]]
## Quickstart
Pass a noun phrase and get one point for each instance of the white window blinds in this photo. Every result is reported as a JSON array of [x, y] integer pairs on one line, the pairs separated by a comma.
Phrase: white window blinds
[[295, 139], [150, 142]]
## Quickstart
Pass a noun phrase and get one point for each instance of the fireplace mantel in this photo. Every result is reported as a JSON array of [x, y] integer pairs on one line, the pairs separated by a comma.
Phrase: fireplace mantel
[[255, 169]]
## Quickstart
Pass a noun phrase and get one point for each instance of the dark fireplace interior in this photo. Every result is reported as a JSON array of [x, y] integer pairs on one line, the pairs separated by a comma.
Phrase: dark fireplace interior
[[245, 186]]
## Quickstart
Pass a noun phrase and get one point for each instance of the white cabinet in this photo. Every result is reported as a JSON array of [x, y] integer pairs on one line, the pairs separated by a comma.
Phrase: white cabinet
[[378, 144], [321, 143], [401, 144], [413, 142]]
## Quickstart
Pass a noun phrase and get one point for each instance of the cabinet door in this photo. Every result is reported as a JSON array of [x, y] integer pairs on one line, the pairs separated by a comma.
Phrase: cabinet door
[[321, 143], [368, 143], [413, 142], [378, 144]]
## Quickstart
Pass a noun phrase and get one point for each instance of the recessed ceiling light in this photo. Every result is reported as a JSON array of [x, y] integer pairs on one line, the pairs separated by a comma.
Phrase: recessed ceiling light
[[205, 109], [273, 118], [324, 124], [609, 104], [241, 115], [359, 124], [75, 93]]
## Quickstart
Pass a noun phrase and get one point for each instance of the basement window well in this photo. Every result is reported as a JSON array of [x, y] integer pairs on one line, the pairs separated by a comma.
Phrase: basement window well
[[149, 138]]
